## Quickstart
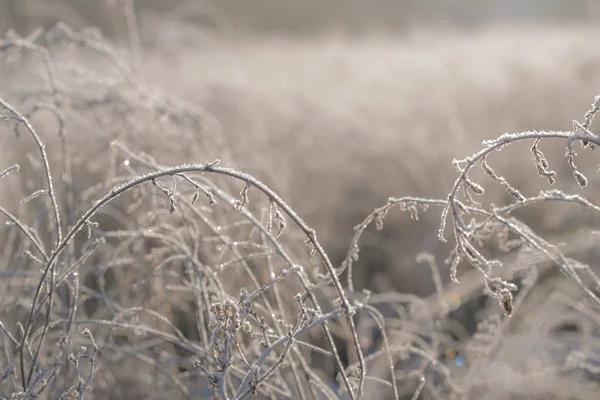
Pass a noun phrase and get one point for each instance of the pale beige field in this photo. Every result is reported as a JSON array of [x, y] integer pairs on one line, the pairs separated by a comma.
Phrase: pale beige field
[[335, 125]]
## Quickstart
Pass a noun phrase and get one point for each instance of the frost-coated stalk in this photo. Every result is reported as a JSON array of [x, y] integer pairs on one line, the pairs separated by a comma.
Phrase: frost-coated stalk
[[210, 167]]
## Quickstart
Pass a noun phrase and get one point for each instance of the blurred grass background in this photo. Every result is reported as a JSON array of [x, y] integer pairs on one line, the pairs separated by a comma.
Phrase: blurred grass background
[[304, 17], [341, 104]]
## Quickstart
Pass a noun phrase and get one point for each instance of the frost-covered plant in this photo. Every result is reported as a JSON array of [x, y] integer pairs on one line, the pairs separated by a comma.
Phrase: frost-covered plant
[[198, 279]]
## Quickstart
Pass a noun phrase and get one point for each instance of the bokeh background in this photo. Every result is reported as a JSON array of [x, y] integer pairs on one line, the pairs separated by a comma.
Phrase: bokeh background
[[339, 105], [342, 104], [309, 17]]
